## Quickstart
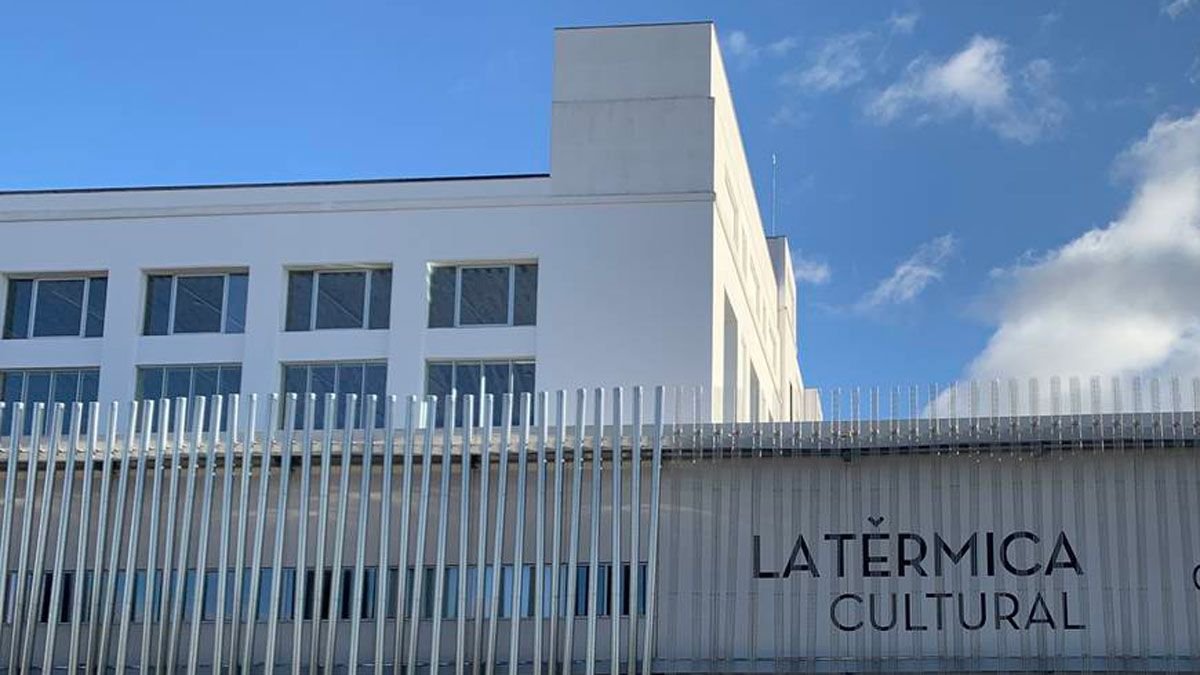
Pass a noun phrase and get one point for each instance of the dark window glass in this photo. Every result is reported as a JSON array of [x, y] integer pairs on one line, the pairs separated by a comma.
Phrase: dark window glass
[[350, 381], [295, 381], [324, 381], [11, 388], [97, 296], [204, 384], [483, 296], [496, 383], [439, 378], [235, 304], [467, 378], [343, 379], [340, 299], [198, 304], [158, 305], [59, 307], [66, 389], [375, 382], [523, 376], [525, 295], [150, 384], [37, 390], [299, 303], [179, 383], [16, 315], [380, 311], [441, 296]]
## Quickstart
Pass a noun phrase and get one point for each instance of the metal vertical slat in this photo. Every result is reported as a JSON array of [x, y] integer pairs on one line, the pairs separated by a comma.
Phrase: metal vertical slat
[[615, 564], [635, 533], [170, 586], [485, 468], [568, 650], [31, 471], [10, 504], [405, 508], [439, 583], [210, 461], [281, 517], [233, 403], [556, 515], [414, 624], [185, 530], [239, 566], [594, 544], [260, 512], [322, 528], [539, 556], [385, 528], [339, 534], [84, 529], [37, 582], [464, 534], [154, 586], [135, 520], [518, 567], [360, 549], [98, 639], [60, 546], [652, 540], [498, 524], [302, 516]]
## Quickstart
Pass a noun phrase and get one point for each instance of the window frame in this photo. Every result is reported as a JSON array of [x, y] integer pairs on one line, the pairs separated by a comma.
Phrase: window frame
[[512, 292], [360, 414], [511, 363], [31, 320], [175, 276], [315, 292], [52, 375]]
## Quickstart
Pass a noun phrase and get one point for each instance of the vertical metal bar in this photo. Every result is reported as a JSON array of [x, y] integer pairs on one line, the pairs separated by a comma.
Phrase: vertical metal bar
[[615, 584], [339, 536], [635, 518], [322, 520], [31, 471], [10, 504], [39, 552], [516, 610], [652, 543], [385, 528], [239, 562], [260, 512], [135, 520], [412, 417], [281, 517], [160, 589], [210, 461], [498, 541], [539, 557], [573, 533], [95, 592], [84, 528], [464, 532], [231, 417], [439, 578], [170, 586], [485, 468], [302, 511], [360, 550], [185, 530], [556, 515], [60, 546], [414, 624], [594, 547], [98, 636]]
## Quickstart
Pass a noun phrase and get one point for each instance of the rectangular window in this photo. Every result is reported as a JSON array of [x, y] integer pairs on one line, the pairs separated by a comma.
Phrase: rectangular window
[[189, 381], [476, 378], [483, 295], [195, 303], [78, 385], [342, 377], [325, 299], [55, 307]]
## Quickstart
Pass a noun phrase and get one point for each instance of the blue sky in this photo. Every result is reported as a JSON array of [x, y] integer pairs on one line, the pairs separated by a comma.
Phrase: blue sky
[[972, 188]]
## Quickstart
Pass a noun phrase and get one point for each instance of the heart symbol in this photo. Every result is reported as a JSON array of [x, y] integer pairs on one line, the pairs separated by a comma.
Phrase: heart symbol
[[875, 520]]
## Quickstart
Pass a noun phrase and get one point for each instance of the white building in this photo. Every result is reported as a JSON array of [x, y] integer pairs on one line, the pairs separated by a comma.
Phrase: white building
[[640, 257]]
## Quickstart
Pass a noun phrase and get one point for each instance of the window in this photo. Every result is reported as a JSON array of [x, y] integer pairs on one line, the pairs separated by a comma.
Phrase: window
[[188, 381], [49, 387], [323, 299], [341, 378], [476, 377], [483, 295], [54, 306], [195, 303]]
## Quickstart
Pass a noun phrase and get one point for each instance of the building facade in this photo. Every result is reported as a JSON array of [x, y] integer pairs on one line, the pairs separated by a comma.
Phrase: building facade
[[641, 256]]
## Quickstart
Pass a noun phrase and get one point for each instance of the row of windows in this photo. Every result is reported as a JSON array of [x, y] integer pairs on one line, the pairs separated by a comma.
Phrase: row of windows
[[215, 302], [347, 590], [363, 378]]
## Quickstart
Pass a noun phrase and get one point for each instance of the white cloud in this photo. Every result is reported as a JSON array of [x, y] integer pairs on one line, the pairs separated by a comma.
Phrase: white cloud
[[912, 276], [1176, 7], [809, 271], [977, 82], [745, 51], [903, 23], [836, 64], [1117, 299]]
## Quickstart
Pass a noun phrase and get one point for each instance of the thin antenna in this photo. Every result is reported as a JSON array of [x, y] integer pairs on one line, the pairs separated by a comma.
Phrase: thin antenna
[[774, 167]]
